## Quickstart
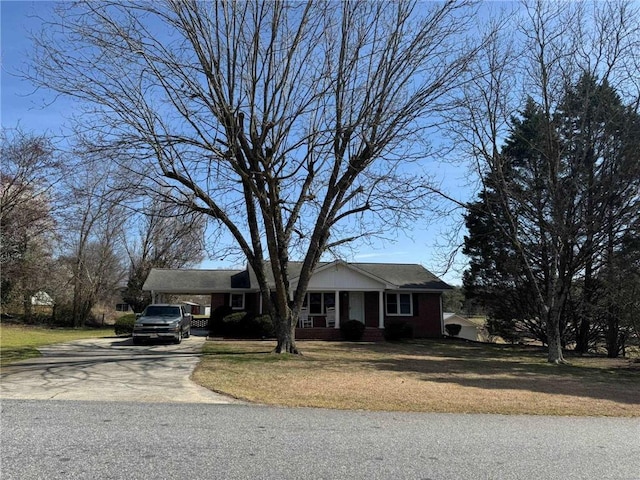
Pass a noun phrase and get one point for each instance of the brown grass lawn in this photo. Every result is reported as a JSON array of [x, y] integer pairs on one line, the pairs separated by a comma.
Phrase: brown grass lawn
[[422, 376]]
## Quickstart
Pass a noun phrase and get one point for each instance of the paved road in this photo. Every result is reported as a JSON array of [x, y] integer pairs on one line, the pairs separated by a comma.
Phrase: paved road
[[120, 440], [111, 369]]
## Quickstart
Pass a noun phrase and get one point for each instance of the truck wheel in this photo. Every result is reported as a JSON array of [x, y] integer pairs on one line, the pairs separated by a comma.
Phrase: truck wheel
[[179, 339]]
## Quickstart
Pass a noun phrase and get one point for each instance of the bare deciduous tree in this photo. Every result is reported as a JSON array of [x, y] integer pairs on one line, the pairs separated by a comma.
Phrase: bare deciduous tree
[[162, 235], [292, 125], [27, 228], [92, 223]]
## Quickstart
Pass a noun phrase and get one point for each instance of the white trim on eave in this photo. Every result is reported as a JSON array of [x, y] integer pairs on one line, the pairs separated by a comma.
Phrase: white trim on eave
[[340, 263], [418, 290]]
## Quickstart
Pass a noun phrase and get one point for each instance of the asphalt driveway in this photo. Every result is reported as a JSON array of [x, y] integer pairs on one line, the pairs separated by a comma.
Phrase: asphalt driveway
[[110, 369]]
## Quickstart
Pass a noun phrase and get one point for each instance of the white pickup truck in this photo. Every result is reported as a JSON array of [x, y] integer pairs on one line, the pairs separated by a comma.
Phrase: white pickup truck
[[162, 322]]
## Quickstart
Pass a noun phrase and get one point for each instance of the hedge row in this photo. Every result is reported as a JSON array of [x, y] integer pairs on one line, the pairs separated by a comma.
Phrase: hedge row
[[227, 323], [124, 324]]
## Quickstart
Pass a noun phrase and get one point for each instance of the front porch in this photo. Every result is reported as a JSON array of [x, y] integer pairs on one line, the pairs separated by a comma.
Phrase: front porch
[[329, 309], [324, 311]]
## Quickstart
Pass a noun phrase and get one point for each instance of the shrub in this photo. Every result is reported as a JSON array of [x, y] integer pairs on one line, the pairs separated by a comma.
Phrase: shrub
[[507, 329], [43, 319], [262, 326], [247, 325], [63, 316], [52, 320], [124, 324], [352, 330], [453, 329], [216, 322], [240, 324], [395, 331], [233, 325]]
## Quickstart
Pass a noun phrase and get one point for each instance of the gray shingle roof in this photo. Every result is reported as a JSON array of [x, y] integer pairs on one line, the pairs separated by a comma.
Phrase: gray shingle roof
[[405, 276], [194, 281]]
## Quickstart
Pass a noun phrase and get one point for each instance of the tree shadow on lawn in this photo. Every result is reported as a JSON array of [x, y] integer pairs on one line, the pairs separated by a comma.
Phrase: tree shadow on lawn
[[58, 355], [509, 368]]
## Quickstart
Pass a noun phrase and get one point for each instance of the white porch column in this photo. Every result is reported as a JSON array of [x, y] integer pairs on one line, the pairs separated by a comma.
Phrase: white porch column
[[442, 329], [337, 294], [381, 309]]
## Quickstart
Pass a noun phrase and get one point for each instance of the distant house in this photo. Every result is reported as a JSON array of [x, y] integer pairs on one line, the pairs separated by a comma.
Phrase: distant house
[[42, 299], [120, 304], [123, 307], [194, 308], [41, 302], [372, 293]]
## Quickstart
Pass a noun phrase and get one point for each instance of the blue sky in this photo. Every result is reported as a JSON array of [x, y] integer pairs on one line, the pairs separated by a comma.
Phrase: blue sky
[[39, 111], [22, 104]]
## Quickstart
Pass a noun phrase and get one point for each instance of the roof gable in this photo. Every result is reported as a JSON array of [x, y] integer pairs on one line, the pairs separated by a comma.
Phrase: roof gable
[[341, 275], [449, 318]]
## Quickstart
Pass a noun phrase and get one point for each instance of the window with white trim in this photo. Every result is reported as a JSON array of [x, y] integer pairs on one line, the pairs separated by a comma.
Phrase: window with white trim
[[399, 304], [237, 301], [318, 302]]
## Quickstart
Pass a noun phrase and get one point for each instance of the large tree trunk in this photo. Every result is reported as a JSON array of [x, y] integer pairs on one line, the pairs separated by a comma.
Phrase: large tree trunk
[[276, 302], [26, 306], [554, 354], [554, 336], [612, 333], [285, 334], [584, 323], [582, 334], [79, 306], [283, 315]]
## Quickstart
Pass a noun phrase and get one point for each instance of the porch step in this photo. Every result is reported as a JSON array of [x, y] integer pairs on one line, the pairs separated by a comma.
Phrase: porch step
[[334, 334], [318, 334], [373, 335]]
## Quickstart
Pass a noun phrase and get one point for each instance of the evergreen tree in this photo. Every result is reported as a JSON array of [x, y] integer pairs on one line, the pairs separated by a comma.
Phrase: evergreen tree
[[546, 236]]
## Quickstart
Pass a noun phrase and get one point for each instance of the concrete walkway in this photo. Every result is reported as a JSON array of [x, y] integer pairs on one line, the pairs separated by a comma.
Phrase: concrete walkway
[[110, 369]]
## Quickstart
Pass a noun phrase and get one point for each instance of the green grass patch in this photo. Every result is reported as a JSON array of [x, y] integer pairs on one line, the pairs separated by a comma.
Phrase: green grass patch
[[20, 342]]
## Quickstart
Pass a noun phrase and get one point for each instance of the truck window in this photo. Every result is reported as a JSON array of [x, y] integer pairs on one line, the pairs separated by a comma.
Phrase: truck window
[[162, 311]]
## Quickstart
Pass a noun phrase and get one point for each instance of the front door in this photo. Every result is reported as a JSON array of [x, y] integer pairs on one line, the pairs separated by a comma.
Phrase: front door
[[356, 306]]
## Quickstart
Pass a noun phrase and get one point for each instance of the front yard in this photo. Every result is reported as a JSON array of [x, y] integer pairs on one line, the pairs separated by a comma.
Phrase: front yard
[[19, 342], [422, 376]]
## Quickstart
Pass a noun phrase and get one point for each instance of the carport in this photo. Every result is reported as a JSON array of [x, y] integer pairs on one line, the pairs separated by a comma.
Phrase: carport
[[217, 284]]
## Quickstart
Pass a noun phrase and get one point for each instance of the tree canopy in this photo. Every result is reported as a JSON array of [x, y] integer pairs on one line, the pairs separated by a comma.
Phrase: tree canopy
[[569, 205], [27, 226], [289, 124], [553, 57]]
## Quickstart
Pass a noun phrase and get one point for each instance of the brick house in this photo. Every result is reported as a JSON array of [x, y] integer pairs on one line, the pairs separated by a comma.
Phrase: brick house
[[375, 294]]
